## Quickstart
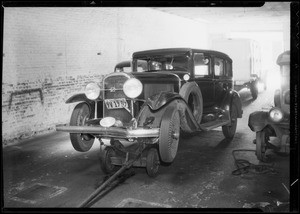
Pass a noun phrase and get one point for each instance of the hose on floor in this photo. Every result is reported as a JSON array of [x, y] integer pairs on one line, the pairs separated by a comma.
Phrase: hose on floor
[[244, 166]]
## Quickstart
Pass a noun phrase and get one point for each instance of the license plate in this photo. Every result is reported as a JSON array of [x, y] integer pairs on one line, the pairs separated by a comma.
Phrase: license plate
[[116, 103]]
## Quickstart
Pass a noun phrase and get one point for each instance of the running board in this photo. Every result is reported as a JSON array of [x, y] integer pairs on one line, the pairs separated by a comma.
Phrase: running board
[[213, 124]]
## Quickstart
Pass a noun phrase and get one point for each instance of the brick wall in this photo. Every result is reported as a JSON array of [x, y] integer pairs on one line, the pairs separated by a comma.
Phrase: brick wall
[[50, 54]]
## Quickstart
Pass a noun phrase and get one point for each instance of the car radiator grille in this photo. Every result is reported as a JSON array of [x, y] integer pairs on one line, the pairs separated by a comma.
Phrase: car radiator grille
[[114, 90]]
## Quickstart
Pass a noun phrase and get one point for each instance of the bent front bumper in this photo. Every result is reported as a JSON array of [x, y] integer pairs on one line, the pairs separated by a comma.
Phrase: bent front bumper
[[116, 132]]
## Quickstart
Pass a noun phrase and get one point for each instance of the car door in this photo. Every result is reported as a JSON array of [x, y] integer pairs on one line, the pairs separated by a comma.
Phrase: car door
[[203, 76], [222, 78]]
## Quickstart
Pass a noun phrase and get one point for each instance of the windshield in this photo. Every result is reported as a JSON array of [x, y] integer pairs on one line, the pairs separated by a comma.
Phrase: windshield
[[161, 63]]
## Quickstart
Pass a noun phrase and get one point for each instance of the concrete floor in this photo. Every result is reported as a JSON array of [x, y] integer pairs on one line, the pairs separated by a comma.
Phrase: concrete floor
[[47, 172]]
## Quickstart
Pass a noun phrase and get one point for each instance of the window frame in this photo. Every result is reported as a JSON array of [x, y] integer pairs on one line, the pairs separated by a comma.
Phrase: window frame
[[223, 73], [210, 73]]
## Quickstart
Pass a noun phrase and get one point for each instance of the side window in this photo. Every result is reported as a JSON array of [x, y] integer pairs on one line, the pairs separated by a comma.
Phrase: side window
[[228, 69], [201, 64], [219, 67]]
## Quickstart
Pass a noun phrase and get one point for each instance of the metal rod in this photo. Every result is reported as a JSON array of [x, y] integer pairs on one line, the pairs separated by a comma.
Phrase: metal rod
[[286, 188], [96, 108], [113, 177]]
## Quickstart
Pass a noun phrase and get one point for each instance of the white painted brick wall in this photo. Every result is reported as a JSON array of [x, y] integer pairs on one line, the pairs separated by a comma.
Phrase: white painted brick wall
[[59, 50]]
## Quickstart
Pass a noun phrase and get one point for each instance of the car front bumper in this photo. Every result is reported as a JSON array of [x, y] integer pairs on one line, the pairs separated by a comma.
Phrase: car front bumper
[[117, 132]]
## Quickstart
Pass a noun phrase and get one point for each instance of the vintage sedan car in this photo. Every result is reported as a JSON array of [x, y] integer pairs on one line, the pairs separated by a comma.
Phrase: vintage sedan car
[[142, 113], [273, 127]]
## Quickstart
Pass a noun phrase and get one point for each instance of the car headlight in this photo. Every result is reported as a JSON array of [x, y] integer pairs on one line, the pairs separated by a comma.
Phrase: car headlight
[[132, 88], [92, 91], [276, 114]]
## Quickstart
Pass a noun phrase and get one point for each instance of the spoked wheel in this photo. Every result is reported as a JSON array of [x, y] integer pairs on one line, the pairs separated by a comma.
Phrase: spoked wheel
[[152, 162], [169, 134], [229, 130], [262, 139], [81, 142], [105, 160]]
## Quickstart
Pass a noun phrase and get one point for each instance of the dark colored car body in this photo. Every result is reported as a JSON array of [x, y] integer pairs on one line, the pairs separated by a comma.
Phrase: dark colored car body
[[275, 122], [182, 89]]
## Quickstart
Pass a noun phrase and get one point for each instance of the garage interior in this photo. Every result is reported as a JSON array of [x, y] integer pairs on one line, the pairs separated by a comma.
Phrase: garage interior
[[51, 53]]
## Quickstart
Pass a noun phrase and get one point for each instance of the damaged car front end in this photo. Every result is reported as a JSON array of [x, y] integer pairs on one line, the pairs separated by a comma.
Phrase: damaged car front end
[[127, 115], [141, 114], [272, 127]]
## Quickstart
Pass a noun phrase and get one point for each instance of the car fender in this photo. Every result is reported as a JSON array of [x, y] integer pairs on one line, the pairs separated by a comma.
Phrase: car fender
[[78, 98], [258, 120], [150, 117], [91, 103], [158, 101], [233, 97]]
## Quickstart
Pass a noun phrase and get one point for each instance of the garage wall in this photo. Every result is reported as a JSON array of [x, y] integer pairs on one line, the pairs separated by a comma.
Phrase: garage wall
[[50, 54]]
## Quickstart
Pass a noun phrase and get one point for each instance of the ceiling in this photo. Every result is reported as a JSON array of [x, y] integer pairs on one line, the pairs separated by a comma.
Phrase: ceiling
[[269, 12]]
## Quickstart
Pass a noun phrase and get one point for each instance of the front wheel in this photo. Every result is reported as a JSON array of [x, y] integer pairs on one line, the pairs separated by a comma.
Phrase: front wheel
[[169, 135], [152, 162], [105, 160], [229, 130], [81, 142], [261, 145]]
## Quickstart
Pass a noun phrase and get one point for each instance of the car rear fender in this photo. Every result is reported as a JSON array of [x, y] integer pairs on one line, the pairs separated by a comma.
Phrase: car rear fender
[[235, 99], [232, 98]]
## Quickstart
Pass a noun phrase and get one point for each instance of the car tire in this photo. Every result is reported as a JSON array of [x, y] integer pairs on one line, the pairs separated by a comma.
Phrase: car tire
[[81, 142], [105, 162], [152, 162], [169, 134], [229, 130], [254, 90], [261, 145], [191, 93]]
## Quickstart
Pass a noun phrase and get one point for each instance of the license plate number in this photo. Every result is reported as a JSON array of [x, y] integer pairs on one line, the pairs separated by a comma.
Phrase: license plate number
[[116, 103]]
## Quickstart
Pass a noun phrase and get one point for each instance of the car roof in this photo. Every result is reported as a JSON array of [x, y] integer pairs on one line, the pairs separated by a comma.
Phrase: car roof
[[126, 63], [172, 51]]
